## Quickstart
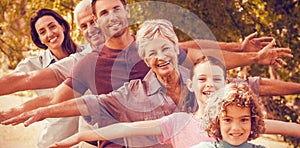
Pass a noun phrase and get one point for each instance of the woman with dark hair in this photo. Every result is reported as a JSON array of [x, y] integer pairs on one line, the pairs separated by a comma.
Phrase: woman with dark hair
[[50, 31], [68, 46]]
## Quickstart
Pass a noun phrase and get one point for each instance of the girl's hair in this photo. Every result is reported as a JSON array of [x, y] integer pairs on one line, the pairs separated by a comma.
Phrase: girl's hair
[[94, 5], [68, 44], [234, 94], [152, 29], [212, 61]]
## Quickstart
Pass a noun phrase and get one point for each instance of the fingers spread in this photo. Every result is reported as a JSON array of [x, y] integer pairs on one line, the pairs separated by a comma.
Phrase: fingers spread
[[280, 61]]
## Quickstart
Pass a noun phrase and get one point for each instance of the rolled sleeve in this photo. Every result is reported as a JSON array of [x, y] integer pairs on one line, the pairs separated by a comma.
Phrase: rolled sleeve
[[98, 113], [254, 84], [93, 107]]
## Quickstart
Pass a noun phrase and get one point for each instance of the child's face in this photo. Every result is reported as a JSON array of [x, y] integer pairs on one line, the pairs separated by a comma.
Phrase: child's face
[[206, 80], [235, 125]]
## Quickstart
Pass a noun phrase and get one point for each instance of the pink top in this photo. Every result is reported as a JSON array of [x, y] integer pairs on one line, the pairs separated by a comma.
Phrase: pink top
[[182, 130]]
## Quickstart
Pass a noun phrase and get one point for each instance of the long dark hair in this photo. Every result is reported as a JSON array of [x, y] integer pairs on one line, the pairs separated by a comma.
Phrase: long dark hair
[[68, 44]]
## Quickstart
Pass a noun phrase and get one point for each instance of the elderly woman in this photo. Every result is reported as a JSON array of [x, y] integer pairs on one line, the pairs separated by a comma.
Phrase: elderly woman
[[163, 90]]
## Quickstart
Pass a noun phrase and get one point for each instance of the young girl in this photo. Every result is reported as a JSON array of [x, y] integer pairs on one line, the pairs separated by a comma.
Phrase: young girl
[[233, 118]]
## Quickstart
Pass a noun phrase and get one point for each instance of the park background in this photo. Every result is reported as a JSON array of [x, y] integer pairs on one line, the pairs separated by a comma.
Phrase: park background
[[228, 20]]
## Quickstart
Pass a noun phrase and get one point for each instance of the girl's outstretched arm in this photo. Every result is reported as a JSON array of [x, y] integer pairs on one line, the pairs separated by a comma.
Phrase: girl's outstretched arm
[[141, 128]]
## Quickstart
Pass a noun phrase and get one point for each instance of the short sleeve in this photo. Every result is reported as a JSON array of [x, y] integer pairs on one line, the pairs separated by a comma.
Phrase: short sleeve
[[62, 68], [82, 76], [100, 114], [29, 64], [171, 125], [253, 82]]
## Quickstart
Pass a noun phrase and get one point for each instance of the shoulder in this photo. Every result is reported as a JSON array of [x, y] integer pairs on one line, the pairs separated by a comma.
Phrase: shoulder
[[86, 59], [135, 86], [29, 64], [177, 117], [84, 48]]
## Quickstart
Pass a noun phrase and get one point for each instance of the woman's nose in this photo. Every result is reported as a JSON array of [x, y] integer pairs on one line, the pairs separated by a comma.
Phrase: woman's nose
[[161, 56]]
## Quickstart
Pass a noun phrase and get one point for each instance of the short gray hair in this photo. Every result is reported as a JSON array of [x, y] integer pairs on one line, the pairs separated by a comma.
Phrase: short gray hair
[[152, 29], [82, 5]]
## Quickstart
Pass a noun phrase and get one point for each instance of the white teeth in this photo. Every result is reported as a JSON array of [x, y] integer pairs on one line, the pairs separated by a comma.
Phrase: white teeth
[[236, 134], [94, 36], [207, 93], [114, 25], [53, 40], [164, 64]]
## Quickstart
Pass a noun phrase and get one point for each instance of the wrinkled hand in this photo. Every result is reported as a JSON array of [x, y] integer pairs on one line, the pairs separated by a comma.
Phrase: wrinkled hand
[[27, 118], [253, 44], [68, 142], [270, 55]]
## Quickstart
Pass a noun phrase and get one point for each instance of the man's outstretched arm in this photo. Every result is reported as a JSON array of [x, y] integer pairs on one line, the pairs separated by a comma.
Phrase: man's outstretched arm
[[73, 107], [281, 127], [49, 77], [269, 55], [269, 87], [250, 44], [19, 81], [62, 93]]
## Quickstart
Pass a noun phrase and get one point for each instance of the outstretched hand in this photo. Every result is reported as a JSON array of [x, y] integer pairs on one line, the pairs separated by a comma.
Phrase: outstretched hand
[[7, 114], [253, 44], [270, 55], [27, 118], [68, 142]]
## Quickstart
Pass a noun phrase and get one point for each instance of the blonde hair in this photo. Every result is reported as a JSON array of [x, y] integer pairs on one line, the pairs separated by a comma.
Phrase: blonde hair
[[234, 94], [152, 29]]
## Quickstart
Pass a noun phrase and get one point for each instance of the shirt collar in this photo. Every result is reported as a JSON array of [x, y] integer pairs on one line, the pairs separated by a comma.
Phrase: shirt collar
[[48, 58], [154, 85]]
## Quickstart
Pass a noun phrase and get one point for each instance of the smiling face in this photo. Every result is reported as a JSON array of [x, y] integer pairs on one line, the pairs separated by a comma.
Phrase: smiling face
[[161, 56], [235, 124], [91, 32], [207, 79], [112, 17], [50, 32]]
